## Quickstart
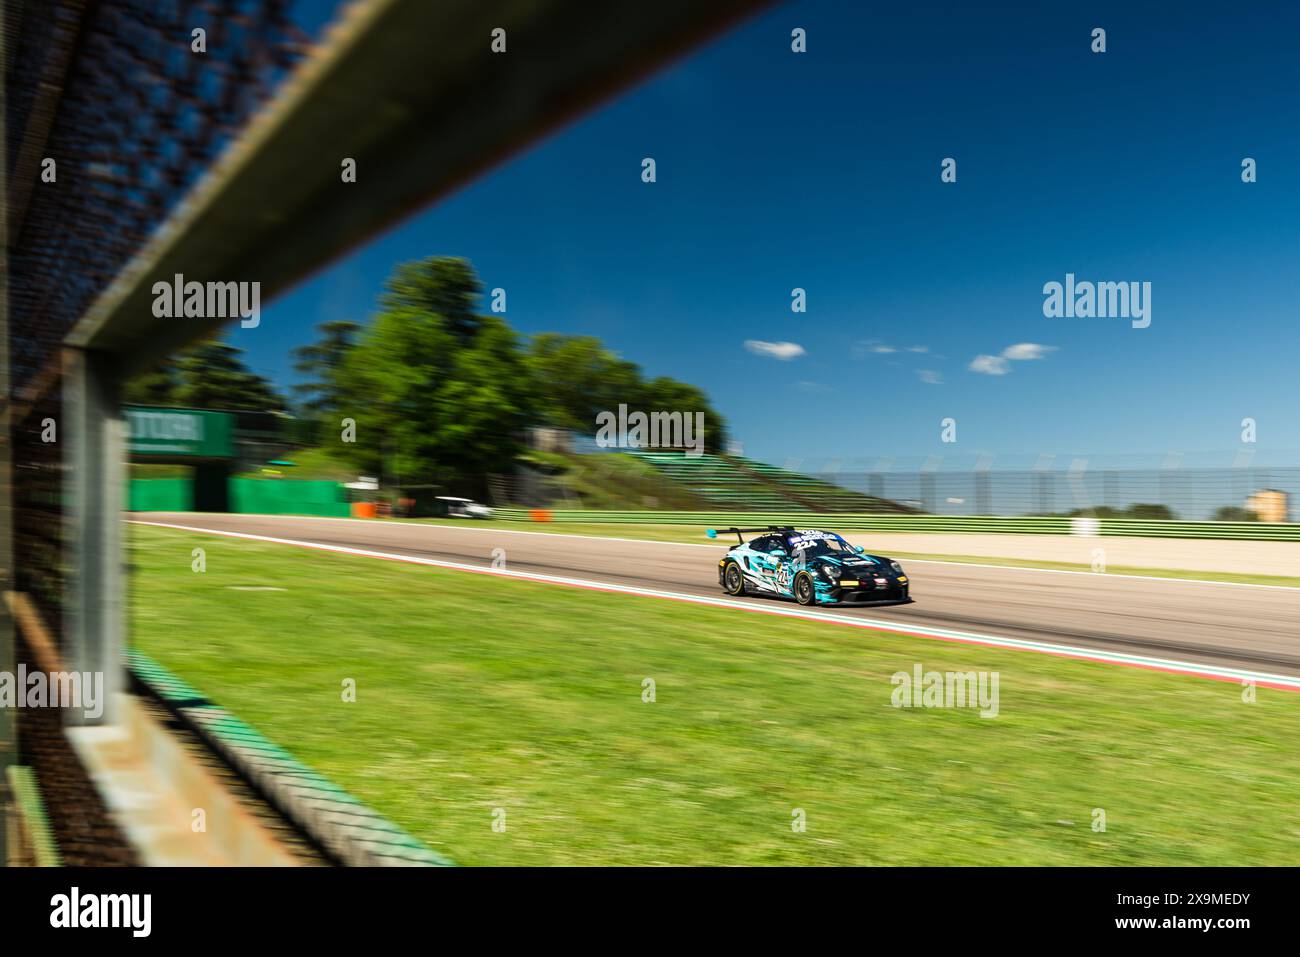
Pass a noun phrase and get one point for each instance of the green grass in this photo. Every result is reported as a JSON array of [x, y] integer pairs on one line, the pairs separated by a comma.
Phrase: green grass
[[475, 692], [691, 533], [311, 464], [150, 470], [612, 481]]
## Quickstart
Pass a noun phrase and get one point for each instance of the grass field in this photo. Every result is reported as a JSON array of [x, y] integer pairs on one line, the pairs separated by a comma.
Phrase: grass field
[[693, 534], [476, 693]]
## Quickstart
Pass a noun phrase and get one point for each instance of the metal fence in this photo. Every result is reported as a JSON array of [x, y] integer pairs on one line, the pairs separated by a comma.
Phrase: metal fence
[[1188, 493], [1022, 525]]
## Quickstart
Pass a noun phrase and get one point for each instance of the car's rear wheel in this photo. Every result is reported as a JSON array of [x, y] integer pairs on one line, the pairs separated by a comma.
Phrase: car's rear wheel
[[733, 580], [805, 593]]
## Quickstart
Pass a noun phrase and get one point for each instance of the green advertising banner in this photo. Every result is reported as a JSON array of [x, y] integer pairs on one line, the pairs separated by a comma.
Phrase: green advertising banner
[[160, 495], [187, 433]]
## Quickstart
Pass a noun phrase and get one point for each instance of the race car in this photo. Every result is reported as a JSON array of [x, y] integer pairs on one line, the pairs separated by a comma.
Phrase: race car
[[812, 567]]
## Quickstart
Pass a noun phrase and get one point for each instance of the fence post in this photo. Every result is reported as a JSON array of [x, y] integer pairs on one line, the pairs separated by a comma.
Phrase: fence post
[[95, 454], [983, 491]]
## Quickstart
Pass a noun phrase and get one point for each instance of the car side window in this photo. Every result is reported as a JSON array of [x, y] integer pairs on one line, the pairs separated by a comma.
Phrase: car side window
[[762, 544]]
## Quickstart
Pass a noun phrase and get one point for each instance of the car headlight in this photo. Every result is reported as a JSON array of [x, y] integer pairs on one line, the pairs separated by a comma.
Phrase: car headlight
[[898, 569], [831, 571]]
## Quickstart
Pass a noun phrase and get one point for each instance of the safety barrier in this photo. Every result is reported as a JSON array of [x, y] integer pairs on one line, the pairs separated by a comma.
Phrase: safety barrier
[[349, 831], [31, 840], [255, 496], [1020, 525], [160, 495]]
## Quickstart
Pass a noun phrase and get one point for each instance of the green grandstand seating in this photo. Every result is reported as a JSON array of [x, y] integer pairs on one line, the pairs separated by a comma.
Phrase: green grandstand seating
[[733, 480]]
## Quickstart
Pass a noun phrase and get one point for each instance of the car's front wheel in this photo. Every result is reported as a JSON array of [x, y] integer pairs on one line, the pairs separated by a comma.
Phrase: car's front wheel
[[733, 580], [805, 592]]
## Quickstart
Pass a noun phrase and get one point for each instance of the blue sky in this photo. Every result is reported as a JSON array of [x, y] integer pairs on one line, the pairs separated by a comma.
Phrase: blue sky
[[822, 171]]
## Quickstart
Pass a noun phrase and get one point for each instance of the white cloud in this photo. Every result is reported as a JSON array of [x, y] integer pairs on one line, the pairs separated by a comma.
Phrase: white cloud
[[865, 347], [1001, 364], [930, 377], [918, 348], [1027, 350], [776, 350], [990, 365]]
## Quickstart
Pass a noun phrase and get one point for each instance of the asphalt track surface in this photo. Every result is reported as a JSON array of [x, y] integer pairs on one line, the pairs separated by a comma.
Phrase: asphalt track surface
[[1251, 628]]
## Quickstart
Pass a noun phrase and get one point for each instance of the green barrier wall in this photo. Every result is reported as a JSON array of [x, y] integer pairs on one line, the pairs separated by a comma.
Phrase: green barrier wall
[[1023, 525], [288, 497], [258, 496], [160, 495]]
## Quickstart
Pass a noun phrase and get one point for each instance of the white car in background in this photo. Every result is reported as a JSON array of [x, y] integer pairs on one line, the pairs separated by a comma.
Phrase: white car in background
[[462, 507]]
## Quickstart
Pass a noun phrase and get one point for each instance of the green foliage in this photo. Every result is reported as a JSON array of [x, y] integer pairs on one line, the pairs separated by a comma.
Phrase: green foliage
[[440, 286], [210, 375], [431, 410], [445, 396], [317, 465], [157, 387], [578, 377], [441, 395], [1234, 513], [614, 480], [1147, 510], [1139, 510], [321, 363]]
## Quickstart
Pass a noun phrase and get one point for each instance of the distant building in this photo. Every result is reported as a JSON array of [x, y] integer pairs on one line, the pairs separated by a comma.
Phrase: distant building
[[1269, 505], [551, 440]]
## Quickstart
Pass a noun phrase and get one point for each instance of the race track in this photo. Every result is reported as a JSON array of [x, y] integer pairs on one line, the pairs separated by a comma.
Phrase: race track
[[1251, 628]]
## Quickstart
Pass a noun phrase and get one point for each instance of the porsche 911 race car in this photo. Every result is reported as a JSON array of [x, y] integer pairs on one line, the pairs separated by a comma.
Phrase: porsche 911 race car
[[813, 568]]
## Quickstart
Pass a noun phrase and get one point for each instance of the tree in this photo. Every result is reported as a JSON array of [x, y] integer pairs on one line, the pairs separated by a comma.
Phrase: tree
[[442, 286], [485, 405], [440, 394], [320, 364], [577, 377], [445, 397], [1148, 510], [669, 395], [393, 374], [156, 387], [1234, 513], [212, 375]]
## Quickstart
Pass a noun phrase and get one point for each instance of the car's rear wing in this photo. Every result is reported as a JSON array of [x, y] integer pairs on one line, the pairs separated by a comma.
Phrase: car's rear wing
[[741, 532]]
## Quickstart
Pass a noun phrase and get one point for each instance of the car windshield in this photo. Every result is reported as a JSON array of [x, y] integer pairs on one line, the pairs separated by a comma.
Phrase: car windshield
[[815, 548]]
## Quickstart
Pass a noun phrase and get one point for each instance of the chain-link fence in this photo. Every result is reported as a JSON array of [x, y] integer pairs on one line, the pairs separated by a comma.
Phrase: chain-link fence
[[1187, 493]]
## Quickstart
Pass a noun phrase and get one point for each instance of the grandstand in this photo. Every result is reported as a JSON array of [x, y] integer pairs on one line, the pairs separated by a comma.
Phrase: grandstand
[[734, 481]]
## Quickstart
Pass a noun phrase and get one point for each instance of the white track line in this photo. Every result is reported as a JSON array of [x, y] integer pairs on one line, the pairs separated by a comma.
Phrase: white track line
[[651, 541], [1284, 682]]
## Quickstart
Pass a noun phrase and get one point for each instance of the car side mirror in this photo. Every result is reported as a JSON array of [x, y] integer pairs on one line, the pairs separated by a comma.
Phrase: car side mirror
[[859, 549], [779, 553]]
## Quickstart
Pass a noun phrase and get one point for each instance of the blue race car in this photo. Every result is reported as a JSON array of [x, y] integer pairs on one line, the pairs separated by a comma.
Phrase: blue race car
[[813, 568]]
